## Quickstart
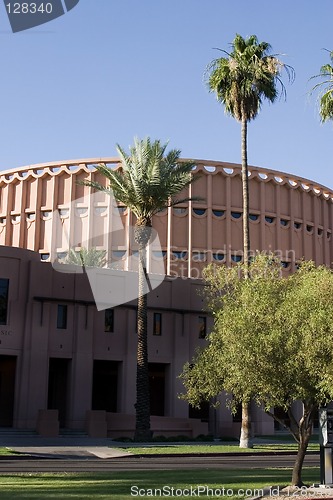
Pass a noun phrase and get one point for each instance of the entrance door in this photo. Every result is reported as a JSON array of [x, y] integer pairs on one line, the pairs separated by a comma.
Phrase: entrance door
[[105, 385], [7, 390], [157, 388], [58, 387]]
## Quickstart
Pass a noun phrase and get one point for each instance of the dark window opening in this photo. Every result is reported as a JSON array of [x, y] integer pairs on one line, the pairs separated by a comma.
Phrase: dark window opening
[[218, 213], [201, 413], [62, 317], [284, 222], [237, 415], [108, 320], [253, 217], [4, 286], [236, 215], [282, 415], [268, 219], [157, 327], [202, 327], [199, 211], [297, 225]]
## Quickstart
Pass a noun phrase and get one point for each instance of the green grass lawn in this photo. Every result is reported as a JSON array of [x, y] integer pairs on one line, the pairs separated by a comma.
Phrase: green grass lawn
[[120, 485], [213, 448], [7, 451]]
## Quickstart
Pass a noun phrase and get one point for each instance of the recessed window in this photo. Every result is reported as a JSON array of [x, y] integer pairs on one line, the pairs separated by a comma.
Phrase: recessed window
[[44, 256], [218, 256], [2, 220], [202, 324], [159, 254], [236, 258], [285, 264], [199, 256], [236, 215], [62, 317], [269, 219], [328, 235], [218, 213], [62, 255], [199, 211], [309, 228], [31, 216], [284, 222], [179, 211], [81, 211], [108, 320], [320, 231], [100, 210], [179, 254], [118, 254], [4, 286], [297, 225], [63, 212], [253, 217], [122, 209], [46, 214], [157, 326]]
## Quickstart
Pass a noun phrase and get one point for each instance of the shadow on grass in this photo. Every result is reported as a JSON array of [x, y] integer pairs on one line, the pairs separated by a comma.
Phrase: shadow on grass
[[120, 485]]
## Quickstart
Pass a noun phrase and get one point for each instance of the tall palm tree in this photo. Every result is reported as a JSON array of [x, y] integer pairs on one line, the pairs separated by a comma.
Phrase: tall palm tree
[[326, 88], [241, 81], [147, 181]]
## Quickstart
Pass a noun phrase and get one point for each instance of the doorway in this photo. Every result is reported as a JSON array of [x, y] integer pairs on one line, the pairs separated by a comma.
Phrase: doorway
[[7, 390], [58, 387], [157, 377], [105, 385]]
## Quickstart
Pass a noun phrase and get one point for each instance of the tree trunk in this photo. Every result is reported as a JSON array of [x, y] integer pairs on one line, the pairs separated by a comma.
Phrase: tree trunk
[[245, 437], [305, 432], [245, 187], [296, 479], [142, 426]]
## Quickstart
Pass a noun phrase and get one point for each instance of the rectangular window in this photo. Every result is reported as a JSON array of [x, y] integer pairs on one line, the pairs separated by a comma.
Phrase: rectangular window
[[157, 328], [108, 320], [62, 317], [4, 286], [202, 327]]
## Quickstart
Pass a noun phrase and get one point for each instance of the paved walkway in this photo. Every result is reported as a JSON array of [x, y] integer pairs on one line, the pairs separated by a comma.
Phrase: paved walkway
[[69, 447]]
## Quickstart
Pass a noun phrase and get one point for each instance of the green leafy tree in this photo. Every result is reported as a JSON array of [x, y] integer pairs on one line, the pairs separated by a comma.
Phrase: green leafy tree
[[85, 257], [242, 80], [148, 180], [325, 88], [272, 343]]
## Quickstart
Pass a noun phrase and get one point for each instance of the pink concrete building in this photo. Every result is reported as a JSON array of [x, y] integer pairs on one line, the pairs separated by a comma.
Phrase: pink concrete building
[[65, 364]]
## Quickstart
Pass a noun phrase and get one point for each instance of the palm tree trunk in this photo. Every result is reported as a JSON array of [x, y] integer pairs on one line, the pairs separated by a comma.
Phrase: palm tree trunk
[[245, 437], [142, 425], [245, 187]]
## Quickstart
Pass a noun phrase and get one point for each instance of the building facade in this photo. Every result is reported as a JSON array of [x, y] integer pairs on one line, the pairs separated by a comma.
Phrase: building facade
[[63, 363]]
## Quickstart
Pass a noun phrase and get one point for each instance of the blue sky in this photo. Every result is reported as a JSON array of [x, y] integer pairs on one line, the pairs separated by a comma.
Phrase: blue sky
[[110, 70]]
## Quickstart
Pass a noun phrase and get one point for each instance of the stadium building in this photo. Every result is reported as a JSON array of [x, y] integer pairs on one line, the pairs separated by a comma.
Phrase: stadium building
[[66, 364]]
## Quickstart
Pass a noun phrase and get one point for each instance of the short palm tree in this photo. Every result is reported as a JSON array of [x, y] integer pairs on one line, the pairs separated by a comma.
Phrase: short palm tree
[[85, 257], [147, 181], [326, 90], [241, 81]]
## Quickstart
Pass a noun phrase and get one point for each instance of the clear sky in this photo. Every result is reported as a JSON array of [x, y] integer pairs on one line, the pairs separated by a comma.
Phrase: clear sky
[[110, 70]]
